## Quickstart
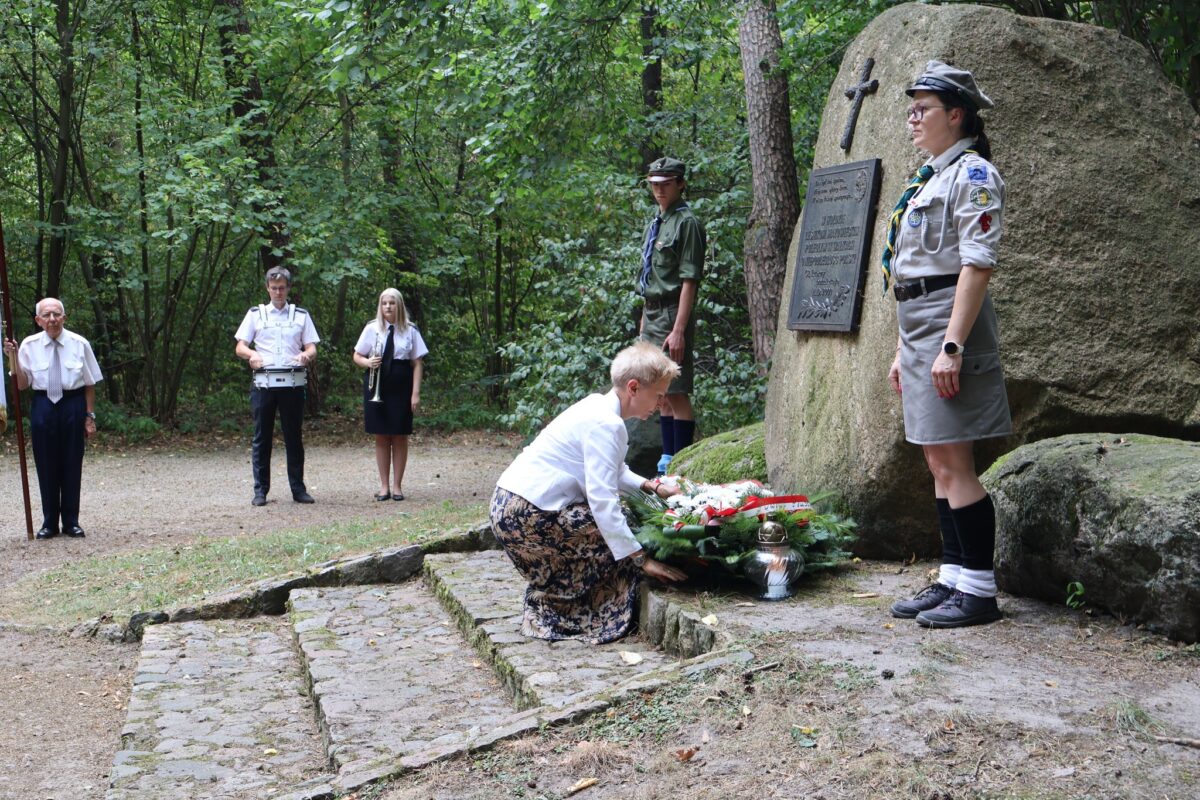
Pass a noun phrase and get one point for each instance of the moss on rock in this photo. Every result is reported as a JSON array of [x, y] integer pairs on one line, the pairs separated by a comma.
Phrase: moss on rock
[[730, 456]]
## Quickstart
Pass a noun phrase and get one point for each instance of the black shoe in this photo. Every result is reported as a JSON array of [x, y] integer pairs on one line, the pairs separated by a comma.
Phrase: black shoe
[[931, 596], [45, 533], [961, 610], [75, 532], [259, 500], [302, 497]]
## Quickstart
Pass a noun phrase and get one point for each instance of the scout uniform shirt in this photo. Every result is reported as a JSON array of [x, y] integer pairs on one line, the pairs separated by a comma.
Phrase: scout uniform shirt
[[678, 253], [955, 220], [278, 334]]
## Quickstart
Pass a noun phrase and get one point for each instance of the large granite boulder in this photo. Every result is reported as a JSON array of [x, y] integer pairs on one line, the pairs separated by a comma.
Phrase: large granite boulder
[[645, 445], [727, 457], [1097, 282], [1118, 514]]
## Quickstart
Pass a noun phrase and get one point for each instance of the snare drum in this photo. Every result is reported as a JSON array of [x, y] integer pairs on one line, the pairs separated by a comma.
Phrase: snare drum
[[280, 377]]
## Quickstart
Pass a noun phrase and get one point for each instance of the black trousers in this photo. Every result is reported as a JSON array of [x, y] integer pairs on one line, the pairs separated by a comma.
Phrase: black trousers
[[289, 403], [58, 440]]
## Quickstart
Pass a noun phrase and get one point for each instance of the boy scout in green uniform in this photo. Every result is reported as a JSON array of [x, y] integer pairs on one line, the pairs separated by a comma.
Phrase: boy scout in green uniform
[[673, 247]]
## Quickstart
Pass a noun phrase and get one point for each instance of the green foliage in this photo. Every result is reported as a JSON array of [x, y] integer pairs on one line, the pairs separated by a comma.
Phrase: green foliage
[[482, 157], [116, 420], [1075, 595]]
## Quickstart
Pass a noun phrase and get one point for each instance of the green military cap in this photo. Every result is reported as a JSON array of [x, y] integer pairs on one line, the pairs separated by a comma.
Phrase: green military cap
[[665, 169], [941, 77]]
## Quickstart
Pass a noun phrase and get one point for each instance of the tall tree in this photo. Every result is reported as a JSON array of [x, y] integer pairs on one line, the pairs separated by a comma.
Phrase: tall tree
[[651, 84], [257, 136], [773, 171]]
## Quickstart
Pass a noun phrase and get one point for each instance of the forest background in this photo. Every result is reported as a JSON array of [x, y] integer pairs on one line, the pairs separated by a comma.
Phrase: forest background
[[483, 156]]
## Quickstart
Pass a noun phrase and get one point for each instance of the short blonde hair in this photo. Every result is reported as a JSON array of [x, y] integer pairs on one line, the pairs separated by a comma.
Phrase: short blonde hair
[[644, 363]]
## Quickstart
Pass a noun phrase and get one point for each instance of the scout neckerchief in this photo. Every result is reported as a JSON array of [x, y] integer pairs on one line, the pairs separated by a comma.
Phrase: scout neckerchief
[[889, 247], [648, 248]]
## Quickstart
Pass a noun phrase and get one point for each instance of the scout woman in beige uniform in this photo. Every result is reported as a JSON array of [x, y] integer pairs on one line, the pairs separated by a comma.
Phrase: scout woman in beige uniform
[[940, 254]]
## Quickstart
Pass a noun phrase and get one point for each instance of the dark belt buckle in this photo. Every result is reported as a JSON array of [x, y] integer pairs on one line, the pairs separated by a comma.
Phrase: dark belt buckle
[[911, 290]]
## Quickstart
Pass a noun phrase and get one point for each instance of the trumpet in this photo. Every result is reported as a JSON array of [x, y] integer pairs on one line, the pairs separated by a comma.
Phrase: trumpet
[[373, 381]]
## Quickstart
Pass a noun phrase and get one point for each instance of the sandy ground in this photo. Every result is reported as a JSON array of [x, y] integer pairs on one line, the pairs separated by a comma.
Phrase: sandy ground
[[64, 698]]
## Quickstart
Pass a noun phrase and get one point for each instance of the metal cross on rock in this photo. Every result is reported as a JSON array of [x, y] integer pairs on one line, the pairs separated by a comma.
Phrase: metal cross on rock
[[857, 93]]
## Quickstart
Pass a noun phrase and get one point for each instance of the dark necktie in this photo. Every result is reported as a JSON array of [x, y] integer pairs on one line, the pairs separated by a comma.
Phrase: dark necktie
[[647, 254], [54, 389], [889, 247], [389, 352]]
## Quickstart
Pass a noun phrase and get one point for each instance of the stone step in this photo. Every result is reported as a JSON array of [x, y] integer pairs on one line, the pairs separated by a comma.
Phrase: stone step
[[387, 680], [218, 710], [484, 593], [391, 676]]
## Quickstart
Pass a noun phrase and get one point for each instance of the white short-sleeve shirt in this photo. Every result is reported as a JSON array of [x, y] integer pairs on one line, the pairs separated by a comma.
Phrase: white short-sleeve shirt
[[406, 343], [278, 334], [76, 360]]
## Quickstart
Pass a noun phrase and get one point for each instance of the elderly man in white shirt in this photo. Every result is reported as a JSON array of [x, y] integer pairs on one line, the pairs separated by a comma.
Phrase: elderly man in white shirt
[[63, 372], [279, 341], [557, 510]]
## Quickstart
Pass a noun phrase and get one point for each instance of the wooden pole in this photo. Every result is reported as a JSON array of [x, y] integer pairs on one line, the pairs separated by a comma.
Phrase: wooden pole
[[16, 392]]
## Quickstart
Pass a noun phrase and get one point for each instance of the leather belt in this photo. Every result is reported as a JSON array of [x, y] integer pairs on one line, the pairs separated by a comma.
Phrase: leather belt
[[655, 303], [911, 290], [66, 392]]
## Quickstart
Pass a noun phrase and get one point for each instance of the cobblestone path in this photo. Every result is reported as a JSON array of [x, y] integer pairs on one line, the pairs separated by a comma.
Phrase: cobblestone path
[[218, 709], [360, 683], [391, 675]]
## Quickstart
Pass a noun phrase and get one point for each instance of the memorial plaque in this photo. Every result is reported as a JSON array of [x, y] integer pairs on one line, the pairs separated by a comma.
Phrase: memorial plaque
[[835, 241]]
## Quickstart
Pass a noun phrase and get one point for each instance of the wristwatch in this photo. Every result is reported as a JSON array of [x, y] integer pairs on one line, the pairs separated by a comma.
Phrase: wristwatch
[[952, 348], [90, 414], [639, 559]]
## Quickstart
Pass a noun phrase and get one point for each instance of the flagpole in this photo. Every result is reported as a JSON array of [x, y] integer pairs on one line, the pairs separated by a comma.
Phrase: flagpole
[[16, 391]]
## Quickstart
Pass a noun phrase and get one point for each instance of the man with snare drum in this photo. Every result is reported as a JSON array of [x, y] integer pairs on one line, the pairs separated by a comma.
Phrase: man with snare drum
[[284, 343]]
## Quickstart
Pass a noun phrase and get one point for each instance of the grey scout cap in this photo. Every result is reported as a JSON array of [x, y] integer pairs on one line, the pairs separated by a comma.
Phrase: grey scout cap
[[665, 169], [941, 77]]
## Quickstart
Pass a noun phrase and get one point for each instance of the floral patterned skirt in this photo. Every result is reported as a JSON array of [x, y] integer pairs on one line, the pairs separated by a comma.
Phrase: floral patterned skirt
[[576, 590]]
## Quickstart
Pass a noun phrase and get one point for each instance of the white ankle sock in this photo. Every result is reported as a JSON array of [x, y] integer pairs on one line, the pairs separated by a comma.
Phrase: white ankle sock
[[979, 582], [948, 574]]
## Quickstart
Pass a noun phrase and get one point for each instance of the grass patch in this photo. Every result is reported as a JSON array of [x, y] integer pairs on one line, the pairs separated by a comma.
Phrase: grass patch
[[1130, 719], [167, 577]]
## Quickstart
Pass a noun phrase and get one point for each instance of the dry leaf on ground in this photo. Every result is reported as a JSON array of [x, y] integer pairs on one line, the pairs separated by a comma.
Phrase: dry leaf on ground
[[686, 754], [580, 785]]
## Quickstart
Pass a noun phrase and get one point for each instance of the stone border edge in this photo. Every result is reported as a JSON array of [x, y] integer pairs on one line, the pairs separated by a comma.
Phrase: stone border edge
[[269, 596]]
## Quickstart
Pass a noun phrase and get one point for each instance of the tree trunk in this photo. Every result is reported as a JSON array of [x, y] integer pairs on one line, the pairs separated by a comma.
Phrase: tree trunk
[[257, 139], [773, 168], [651, 87], [60, 171], [399, 233]]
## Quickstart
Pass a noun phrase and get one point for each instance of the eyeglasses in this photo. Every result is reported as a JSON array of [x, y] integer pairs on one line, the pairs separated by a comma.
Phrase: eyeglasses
[[51, 315], [917, 113]]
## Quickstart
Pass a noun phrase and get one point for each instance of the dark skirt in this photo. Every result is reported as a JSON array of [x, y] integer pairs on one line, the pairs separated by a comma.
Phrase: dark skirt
[[576, 589], [393, 416]]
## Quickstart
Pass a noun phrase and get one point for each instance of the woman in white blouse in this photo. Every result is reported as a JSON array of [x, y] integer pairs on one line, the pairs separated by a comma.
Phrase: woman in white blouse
[[391, 350], [557, 511]]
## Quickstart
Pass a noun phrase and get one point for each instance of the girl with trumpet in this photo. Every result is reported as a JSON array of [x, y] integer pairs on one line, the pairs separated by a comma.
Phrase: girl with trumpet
[[391, 350]]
